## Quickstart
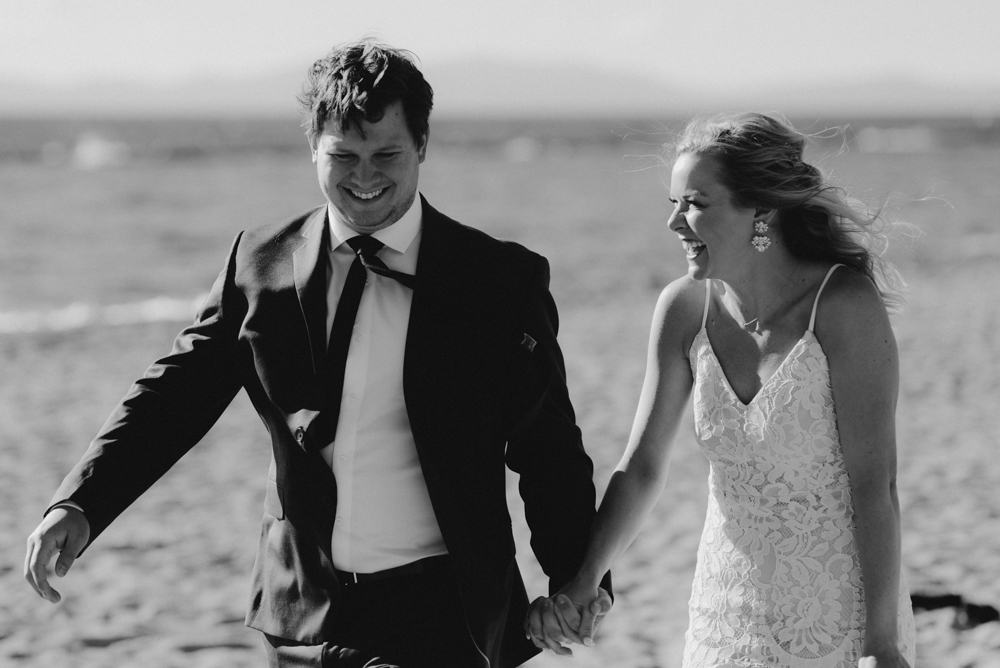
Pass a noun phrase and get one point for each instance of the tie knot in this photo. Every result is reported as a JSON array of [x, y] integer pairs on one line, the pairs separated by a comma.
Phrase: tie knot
[[365, 245]]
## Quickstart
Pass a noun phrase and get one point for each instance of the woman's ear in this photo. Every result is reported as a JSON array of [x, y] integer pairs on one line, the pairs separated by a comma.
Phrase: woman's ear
[[764, 214]]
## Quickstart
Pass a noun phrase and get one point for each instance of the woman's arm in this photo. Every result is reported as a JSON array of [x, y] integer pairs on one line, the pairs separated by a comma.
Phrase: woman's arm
[[639, 477], [854, 330]]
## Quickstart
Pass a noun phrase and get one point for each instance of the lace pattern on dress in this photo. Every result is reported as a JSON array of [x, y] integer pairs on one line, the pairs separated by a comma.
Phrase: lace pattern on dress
[[777, 581]]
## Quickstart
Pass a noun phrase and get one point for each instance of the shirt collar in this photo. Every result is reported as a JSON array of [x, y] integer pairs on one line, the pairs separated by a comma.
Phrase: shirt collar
[[397, 236]]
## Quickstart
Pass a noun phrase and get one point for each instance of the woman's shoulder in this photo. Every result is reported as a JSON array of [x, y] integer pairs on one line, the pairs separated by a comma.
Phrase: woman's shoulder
[[679, 309], [849, 307], [683, 297]]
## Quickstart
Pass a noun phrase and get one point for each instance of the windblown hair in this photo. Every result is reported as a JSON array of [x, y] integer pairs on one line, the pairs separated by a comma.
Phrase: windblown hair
[[761, 163], [356, 82]]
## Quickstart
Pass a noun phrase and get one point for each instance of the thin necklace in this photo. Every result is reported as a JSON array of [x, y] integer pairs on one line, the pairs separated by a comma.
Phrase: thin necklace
[[748, 323]]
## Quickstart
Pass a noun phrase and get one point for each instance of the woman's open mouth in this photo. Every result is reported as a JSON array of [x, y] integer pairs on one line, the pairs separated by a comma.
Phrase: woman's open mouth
[[692, 248]]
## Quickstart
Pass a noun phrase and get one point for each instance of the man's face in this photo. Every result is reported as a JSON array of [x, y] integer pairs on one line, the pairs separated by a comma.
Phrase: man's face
[[371, 181]]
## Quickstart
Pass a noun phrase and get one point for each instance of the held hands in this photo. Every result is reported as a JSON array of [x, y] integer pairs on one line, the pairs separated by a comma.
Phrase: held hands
[[64, 530], [567, 617], [889, 659]]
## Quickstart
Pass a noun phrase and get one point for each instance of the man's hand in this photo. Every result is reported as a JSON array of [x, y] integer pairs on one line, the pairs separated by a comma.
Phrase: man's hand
[[593, 615], [553, 621], [544, 628], [64, 530]]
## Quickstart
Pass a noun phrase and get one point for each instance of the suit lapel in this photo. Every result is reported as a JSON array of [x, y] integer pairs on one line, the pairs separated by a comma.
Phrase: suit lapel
[[421, 358], [310, 271]]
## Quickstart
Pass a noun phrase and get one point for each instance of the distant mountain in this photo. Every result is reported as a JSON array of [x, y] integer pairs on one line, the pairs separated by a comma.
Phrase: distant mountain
[[269, 94], [478, 87], [876, 96], [485, 87]]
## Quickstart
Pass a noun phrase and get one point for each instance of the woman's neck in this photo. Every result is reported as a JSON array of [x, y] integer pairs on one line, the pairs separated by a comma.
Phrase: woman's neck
[[762, 290]]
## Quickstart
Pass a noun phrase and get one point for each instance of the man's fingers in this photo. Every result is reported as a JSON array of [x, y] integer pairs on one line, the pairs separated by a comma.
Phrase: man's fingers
[[568, 617], [551, 629], [64, 562], [592, 616], [40, 552], [71, 549], [29, 576], [535, 624]]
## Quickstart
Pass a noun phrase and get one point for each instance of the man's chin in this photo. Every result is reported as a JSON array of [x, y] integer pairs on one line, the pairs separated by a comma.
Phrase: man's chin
[[368, 222]]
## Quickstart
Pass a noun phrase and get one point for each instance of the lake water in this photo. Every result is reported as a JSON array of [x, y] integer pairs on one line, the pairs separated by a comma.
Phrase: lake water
[[138, 215]]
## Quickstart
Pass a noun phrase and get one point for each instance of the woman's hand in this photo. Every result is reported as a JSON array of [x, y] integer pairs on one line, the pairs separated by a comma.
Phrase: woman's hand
[[546, 629], [582, 607], [571, 616]]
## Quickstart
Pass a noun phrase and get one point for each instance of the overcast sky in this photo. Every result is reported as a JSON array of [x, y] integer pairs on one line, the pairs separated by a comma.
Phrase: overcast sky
[[697, 42]]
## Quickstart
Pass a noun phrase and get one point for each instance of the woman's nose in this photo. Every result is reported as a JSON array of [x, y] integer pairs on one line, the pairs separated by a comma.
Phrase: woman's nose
[[676, 220]]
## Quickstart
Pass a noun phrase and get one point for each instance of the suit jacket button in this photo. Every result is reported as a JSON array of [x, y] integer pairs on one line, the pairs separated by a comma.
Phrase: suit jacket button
[[327, 502], [300, 434]]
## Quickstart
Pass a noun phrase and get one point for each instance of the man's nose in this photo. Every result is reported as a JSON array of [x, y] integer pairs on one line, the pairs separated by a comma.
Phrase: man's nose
[[364, 171]]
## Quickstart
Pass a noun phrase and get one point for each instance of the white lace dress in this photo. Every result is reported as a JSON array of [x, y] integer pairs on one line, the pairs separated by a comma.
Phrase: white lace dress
[[777, 581]]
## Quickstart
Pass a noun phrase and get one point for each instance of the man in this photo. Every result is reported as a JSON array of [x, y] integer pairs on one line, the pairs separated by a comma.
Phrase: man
[[398, 360]]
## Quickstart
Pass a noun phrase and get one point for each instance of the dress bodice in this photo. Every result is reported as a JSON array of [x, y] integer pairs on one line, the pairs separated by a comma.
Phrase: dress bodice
[[778, 580]]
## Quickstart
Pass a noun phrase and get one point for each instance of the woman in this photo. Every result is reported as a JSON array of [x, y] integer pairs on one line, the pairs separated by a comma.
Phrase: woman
[[780, 329]]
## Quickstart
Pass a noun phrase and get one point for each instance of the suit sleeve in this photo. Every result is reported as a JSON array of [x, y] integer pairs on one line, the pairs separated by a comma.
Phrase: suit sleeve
[[165, 413], [545, 446]]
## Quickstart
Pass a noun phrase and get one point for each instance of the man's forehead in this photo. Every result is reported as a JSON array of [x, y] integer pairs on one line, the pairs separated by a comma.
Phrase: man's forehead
[[369, 133], [390, 123]]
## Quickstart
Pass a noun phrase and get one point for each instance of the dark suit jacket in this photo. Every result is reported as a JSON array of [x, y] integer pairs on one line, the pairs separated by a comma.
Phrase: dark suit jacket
[[484, 386]]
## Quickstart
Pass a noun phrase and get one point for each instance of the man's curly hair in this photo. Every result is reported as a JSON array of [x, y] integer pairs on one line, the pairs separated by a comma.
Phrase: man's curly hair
[[356, 82]]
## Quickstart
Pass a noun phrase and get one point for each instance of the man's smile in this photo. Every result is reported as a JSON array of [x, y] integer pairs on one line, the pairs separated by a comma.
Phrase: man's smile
[[366, 196]]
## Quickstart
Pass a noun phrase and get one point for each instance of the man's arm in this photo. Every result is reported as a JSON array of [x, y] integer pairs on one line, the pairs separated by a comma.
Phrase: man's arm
[[546, 446], [556, 474], [164, 414]]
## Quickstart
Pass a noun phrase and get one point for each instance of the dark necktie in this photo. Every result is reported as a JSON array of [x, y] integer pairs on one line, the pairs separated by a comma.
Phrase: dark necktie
[[366, 248]]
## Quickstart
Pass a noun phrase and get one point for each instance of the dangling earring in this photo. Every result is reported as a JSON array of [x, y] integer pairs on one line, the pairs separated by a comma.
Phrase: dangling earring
[[761, 241]]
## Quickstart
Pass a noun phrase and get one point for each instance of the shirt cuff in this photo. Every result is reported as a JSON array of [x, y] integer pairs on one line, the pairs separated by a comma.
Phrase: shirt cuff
[[66, 504]]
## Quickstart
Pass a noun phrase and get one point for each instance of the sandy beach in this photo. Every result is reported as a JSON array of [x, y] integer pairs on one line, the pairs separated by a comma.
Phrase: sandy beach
[[166, 585]]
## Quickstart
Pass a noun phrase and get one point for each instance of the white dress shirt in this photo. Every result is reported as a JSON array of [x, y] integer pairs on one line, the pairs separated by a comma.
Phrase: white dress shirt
[[384, 515]]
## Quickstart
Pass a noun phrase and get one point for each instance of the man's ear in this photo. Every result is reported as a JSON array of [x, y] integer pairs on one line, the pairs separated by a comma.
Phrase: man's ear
[[422, 147], [312, 148]]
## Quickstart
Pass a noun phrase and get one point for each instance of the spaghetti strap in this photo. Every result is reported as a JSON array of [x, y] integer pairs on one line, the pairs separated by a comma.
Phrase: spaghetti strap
[[812, 318], [708, 300]]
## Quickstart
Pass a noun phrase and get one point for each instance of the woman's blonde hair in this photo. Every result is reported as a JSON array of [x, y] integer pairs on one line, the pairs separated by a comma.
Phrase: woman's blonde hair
[[761, 163]]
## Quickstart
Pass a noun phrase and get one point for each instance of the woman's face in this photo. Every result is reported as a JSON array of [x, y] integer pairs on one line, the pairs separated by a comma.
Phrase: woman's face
[[714, 232]]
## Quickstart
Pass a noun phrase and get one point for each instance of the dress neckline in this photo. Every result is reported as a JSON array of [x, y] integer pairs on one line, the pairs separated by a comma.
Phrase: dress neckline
[[725, 379], [808, 334]]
